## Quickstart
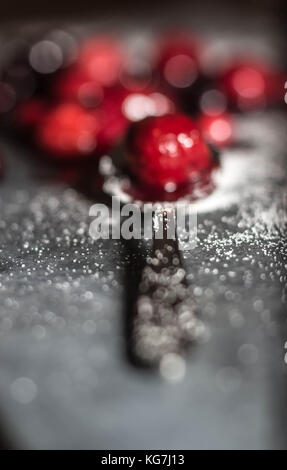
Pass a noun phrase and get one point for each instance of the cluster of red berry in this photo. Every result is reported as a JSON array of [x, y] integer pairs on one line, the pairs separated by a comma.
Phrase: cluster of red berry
[[98, 95]]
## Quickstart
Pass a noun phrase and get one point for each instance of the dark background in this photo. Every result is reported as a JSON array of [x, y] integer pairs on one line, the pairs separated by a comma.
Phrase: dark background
[[69, 9]]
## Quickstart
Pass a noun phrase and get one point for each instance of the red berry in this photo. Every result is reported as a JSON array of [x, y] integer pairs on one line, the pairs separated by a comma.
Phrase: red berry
[[73, 85], [167, 151], [251, 85], [68, 130], [177, 61], [114, 123], [217, 129], [101, 59]]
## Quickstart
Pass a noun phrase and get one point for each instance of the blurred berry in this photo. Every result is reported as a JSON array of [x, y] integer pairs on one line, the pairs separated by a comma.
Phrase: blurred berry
[[101, 59], [177, 60], [250, 85], [68, 130], [73, 85], [217, 129], [149, 102]]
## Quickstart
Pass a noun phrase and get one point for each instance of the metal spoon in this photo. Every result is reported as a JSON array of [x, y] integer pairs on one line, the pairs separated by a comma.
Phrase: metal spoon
[[164, 319]]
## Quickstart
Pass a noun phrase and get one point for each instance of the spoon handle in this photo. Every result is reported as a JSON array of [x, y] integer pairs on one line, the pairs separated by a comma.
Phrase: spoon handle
[[164, 317]]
